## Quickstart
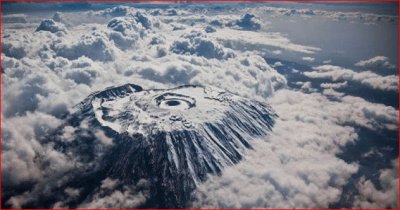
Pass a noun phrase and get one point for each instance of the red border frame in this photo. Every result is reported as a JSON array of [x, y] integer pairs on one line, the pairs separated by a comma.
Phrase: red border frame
[[198, 1]]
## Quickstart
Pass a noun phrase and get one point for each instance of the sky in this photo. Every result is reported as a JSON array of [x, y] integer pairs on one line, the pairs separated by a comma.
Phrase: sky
[[328, 70]]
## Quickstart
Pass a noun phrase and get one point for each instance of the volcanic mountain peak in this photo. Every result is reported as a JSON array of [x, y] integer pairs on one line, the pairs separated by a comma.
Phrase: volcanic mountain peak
[[172, 138]]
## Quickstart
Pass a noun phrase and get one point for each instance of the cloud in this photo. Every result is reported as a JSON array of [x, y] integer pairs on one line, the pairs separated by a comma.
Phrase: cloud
[[247, 22], [14, 18], [337, 85], [309, 59], [210, 29], [277, 64], [51, 26], [22, 144], [101, 136], [276, 52], [306, 86], [95, 46], [377, 61], [14, 50], [368, 78], [384, 197], [333, 93], [248, 40], [197, 43], [45, 75], [282, 170], [333, 15], [112, 194], [115, 11]]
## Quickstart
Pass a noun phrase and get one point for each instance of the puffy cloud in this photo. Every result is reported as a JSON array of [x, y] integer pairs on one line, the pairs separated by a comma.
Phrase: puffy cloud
[[101, 136], [22, 144], [281, 171], [13, 50], [51, 26], [309, 59], [210, 29], [385, 197], [113, 195], [247, 22], [129, 29], [306, 86], [334, 85], [336, 73], [276, 52], [198, 43], [377, 61], [277, 64], [333, 93], [132, 23], [125, 25], [115, 11], [58, 17], [169, 12], [95, 46], [333, 15], [81, 76]]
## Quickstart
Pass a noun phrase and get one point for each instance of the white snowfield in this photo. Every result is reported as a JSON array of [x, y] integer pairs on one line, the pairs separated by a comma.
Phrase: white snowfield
[[175, 109], [182, 108]]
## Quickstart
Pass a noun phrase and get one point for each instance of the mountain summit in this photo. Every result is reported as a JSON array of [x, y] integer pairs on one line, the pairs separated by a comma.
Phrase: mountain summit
[[163, 142]]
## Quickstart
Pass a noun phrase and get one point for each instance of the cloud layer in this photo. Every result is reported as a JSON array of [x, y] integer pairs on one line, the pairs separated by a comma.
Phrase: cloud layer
[[50, 65], [368, 78]]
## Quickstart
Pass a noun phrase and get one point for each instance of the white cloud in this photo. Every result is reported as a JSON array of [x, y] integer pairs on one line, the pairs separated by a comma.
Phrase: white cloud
[[368, 78], [95, 46], [45, 74], [333, 15], [281, 171], [198, 43], [333, 93], [327, 61], [334, 85], [125, 197], [109, 183], [251, 40], [306, 86], [372, 197], [277, 64], [377, 61], [52, 26], [101, 136], [247, 22], [277, 52], [309, 59]]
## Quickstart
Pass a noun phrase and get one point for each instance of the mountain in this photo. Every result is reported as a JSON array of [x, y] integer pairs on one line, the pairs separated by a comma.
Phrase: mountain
[[171, 139]]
